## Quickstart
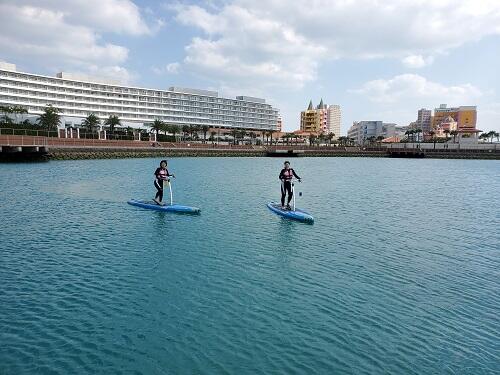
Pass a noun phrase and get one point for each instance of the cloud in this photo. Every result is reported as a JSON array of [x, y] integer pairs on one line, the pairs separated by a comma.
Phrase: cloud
[[238, 43], [413, 87], [284, 43], [172, 68], [69, 35], [417, 61]]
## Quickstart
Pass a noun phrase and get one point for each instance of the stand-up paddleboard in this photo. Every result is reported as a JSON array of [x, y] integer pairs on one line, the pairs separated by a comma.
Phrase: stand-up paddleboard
[[151, 205], [293, 214], [296, 214]]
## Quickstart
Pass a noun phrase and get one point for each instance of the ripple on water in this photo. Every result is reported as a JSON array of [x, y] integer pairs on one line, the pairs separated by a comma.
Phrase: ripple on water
[[391, 278]]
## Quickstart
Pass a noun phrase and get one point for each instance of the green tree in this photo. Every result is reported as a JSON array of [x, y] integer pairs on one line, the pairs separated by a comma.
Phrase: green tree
[[186, 130], [432, 133], [50, 118], [91, 123], [447, 133], [454, 133], [18, 110], [212, 136], [6, 110], [175, 129], [312, 139], [379, 140], [112, 122], [205, 129], [157, 126]]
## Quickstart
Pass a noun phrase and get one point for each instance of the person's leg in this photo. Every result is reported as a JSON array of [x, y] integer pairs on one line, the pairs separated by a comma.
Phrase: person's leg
[[283, 192], [159, 192], [290, 193]]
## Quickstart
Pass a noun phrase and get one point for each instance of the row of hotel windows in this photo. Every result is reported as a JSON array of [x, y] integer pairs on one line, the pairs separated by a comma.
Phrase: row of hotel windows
[[60, 84], [17, 90], [216, 114], [163, 116]]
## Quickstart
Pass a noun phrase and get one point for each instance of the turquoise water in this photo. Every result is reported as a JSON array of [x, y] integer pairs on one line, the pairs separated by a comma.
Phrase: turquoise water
[[400, 272]]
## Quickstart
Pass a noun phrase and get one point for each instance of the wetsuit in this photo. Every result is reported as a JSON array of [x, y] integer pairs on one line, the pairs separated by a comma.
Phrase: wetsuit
[[161, 175], [286, 176]]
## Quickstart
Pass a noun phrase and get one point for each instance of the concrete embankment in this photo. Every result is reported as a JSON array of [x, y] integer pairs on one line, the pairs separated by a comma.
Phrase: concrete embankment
[[121, 153], [67, 153]]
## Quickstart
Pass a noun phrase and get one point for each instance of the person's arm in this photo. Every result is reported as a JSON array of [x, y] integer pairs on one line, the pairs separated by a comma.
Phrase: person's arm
[[170, 175], [295, 174], [281, 176], [157, 173]]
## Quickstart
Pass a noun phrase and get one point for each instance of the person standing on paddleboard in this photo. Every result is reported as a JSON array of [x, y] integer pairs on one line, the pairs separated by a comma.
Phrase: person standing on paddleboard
[[286, 176], [161, 175]]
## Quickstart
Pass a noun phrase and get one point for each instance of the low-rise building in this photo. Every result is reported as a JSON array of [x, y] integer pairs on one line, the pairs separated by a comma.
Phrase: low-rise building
[[362, 131]]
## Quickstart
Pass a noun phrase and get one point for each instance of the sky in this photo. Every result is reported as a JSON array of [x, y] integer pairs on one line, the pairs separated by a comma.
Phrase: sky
[[377, 59]]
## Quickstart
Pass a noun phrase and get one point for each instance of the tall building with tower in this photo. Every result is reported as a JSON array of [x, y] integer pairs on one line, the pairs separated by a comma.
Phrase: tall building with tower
[[321, 119]]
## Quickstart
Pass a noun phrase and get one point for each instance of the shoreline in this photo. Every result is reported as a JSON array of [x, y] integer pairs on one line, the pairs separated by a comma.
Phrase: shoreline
[[84, 153]]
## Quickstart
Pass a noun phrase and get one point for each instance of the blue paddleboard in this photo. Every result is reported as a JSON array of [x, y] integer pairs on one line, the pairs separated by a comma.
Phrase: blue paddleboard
[[298, 214], [167, 208]]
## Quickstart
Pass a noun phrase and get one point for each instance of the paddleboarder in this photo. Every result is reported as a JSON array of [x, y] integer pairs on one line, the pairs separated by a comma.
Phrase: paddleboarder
[[161, 175], [286, 176]]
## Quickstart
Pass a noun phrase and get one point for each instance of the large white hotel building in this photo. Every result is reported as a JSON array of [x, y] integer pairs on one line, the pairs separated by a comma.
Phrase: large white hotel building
[[76, 97]]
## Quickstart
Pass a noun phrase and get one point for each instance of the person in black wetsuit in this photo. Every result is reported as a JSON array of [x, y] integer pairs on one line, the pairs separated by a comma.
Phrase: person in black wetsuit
[[286, 176], [161, 174]]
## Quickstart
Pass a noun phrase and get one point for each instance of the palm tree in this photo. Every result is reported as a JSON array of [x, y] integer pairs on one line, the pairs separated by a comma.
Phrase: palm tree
[[212, 136], [496, 135], [156, 126], [409, 134], [484, 136], [241, 135], [205, 129], [454, 133], [312, 139], [446, 132], [185, 129], [6, 110], [418, 132], [112, 121], [432, 133], [165, 128], [50, 118], [379, 140], [91, 122], [492, 134], [271, 135], [253, 136], [18, 110], [174, 129]]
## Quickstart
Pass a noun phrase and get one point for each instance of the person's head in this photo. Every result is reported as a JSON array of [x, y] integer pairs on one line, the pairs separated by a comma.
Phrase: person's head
[[287, 164], [163, 164]]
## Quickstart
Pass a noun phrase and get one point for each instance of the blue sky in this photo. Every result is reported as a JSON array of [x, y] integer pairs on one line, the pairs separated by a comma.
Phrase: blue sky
[[380, 60]]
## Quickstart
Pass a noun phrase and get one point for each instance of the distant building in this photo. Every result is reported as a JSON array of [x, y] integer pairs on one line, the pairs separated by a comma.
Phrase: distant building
[[424, 120], [322, 119], [77, 96], [444, 129], [280, 124], [333, 120], [361, 131], [465, 116]]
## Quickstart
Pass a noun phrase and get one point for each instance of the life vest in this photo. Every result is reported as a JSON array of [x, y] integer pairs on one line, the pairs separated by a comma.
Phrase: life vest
[[288, 174]]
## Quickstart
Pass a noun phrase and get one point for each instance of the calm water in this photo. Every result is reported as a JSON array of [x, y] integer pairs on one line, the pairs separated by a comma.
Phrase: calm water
[[399, 274]]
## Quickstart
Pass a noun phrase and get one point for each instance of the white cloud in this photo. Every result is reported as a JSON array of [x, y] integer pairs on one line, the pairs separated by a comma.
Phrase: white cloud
[[417, 61], [413, 87], [172, 68], [68, 35], [279, 42], [240, 44]]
